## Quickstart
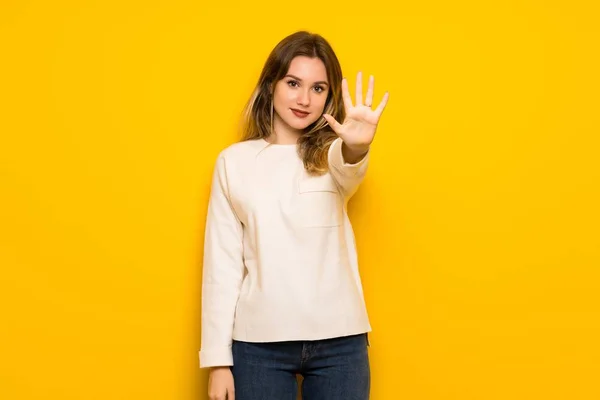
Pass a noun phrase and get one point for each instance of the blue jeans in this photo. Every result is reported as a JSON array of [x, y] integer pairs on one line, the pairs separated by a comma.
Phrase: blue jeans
[[333, 369]]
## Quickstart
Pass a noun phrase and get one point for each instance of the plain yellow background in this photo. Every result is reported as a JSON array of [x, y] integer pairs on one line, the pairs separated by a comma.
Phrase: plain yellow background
[[477, 226]]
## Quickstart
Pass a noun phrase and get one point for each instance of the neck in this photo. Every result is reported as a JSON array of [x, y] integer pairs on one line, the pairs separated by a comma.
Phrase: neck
[[283, 133]]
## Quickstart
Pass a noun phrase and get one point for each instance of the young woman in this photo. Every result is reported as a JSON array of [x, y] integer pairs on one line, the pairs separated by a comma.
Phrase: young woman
[[281, 290]]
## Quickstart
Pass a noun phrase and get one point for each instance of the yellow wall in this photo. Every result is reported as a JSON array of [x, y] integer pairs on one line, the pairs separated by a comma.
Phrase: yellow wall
[[477, 226]]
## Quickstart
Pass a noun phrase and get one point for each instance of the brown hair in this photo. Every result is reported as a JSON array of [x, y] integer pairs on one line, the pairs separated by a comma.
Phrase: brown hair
[[257, 121]]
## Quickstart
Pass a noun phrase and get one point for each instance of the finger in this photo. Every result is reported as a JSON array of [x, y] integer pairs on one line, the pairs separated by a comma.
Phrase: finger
[[359, 89], [369, 99], [346, 95], [381, 106], [333, 123], [230, 394]]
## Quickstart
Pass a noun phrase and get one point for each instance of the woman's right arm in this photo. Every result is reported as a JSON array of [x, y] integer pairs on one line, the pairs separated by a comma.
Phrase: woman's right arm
[[222, 275]]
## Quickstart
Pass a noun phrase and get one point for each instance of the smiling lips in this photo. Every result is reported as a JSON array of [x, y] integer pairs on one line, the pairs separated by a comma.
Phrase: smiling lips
[[299, 114]]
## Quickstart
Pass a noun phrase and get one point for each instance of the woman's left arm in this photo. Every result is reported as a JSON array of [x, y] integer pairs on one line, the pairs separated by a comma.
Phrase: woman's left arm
[[348, 155]]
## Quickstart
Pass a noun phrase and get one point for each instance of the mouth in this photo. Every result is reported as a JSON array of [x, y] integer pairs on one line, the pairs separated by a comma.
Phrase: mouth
[[299, 113]]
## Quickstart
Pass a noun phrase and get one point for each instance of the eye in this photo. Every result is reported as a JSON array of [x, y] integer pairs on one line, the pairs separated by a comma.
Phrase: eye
[[292, 83], [319, 89]]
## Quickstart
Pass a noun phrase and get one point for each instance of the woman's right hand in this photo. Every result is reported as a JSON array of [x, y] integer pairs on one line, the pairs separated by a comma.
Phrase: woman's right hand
[[220, 384]]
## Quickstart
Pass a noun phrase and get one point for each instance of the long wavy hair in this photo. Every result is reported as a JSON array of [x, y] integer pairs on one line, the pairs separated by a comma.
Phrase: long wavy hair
[[257, 117]]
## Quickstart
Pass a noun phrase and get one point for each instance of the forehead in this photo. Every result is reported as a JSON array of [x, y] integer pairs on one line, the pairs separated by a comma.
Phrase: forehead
[[308, 68]]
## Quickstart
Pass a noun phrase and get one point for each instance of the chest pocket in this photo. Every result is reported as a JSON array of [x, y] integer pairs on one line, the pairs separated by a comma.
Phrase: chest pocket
[[320, 203]]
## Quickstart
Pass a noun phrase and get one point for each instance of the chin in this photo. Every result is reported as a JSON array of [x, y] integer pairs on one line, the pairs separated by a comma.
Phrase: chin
[[300, 125]]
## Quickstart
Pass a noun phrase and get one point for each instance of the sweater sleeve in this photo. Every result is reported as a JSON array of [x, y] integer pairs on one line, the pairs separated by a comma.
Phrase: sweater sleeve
[[222, 273], [348, 176]]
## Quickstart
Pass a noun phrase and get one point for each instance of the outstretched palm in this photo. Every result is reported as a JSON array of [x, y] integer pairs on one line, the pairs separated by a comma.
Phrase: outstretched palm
[[358, 129]]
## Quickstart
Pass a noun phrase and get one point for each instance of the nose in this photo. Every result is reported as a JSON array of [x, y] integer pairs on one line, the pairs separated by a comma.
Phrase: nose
[[303, 98]]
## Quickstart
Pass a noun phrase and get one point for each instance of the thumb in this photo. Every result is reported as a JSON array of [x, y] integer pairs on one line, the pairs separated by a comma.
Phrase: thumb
[[333, 123]]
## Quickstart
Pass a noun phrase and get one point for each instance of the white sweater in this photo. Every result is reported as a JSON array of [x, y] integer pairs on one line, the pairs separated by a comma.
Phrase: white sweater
[[279, 254]]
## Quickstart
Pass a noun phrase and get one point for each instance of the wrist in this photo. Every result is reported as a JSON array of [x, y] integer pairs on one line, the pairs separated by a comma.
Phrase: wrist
[[219, 368], [354, 153]]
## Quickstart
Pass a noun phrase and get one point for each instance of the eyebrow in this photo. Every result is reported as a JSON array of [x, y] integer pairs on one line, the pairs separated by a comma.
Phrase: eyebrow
[[298, 79]]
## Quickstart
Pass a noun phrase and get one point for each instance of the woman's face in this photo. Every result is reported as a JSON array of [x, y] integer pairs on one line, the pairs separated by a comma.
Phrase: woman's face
[[299, 98]]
